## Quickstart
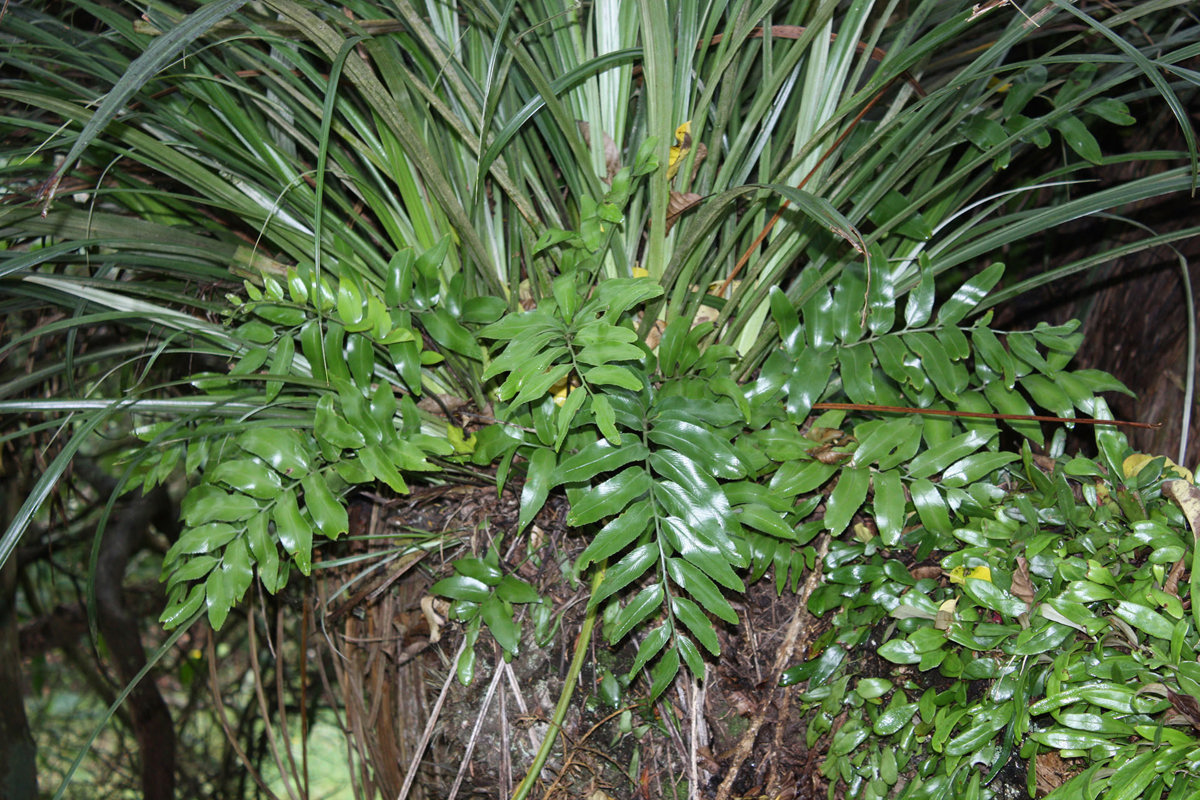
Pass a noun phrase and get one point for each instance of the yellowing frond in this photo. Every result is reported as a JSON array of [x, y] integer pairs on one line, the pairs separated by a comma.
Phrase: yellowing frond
[[679, 150]]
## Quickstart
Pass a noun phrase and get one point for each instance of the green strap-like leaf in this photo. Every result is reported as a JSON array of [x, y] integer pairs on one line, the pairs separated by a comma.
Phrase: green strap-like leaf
[[889, 506], [327, 511], [650, 647], [627, 570], [538, 481], [595, 458], [700, 445], [948, 377], [920, 300], [689, 578], [931, 506], [643, 604], [695, 621], [937, 458], [847, 497], [810, 375], [158, 54]]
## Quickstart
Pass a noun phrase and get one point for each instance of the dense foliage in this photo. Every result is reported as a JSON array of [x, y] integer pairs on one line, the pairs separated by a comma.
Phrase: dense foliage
[[1051, 618], [631, 283]]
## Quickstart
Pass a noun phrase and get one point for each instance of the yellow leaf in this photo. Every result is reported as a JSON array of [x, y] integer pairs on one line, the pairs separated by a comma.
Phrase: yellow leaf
[[560, 390], [457, 437], [1133, 465], [960, 575], [679, 150]]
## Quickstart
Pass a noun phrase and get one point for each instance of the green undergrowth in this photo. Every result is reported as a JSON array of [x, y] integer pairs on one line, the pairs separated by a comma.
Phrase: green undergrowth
[[1060, 617]]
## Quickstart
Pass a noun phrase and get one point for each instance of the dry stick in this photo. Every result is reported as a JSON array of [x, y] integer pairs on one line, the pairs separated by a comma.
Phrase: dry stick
[[781, 713], [427, 734], [281, 701], [758, 240], [352, 748], [746, 743], [215, 685], [698, 692], [943, 412], [505, 746], [522, 706], [306, 620], [483, 708], [261, 696]]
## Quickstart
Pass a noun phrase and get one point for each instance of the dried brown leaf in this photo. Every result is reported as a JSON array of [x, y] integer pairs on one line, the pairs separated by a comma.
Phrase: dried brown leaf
[[1187, 495], [1171, 584], [612, 156], [1186, 706], [827, 455], [654, 336], [927, 571], [678, 203], [1022, 587], [1051, 771]]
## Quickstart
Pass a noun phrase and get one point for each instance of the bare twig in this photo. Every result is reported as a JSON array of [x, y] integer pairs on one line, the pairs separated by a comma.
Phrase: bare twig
[[697, 703], [230, 735], [497, 674], [427, 734], [268, 728]]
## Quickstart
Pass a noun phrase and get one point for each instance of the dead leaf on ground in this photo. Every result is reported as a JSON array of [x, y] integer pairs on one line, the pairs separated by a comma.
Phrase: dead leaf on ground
[[1022, 587], [1051, 772], [927, 571], [827, 455], [1186, 706], [654, 336]]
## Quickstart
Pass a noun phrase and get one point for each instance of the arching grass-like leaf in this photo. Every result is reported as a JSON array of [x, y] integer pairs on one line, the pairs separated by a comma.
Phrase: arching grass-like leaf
[[160, 52]]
